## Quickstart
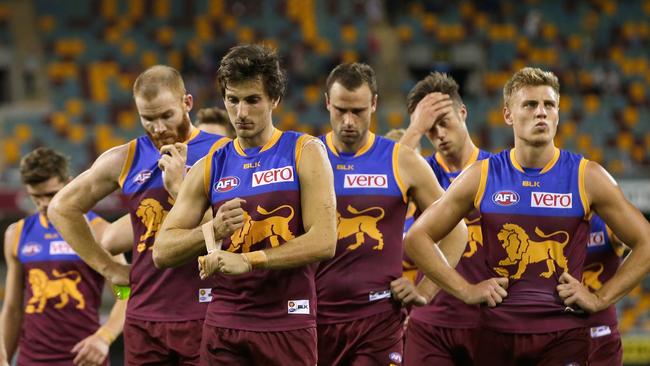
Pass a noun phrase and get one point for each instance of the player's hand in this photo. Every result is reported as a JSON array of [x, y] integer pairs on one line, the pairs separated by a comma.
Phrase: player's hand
[[574, 293], [208, 264], [405, 292], [90, 351], [233, 263], [491, 291], [118, 274], [172, 162], [431, 108], [229, 217]]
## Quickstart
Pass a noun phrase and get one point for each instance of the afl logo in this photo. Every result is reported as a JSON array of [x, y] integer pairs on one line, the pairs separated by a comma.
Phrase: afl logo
[[226, 184], [505, 198], [31, 249]]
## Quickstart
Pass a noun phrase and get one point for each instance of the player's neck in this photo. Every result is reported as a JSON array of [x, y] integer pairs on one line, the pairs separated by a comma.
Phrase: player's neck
[[259, 139], [351, 148], [459, 161], [534, 157]]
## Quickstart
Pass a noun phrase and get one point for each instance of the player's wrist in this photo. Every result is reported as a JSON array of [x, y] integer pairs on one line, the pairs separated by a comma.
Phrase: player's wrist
[[256, 259], [105, 335]]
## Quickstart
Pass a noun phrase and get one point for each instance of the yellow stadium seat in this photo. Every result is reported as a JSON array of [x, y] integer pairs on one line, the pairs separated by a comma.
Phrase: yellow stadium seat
[[584, 142], [575, 42], [591, 103], [109, 9], [216, 8], [165, 36], [549, 31], [148, 59], [395, 119], [348, 34], [625, 141], [630, 116], [203, 28], [312, 94], [566, 104], [638, 153], [429, 22], [596, 154], [74, 107], [77, 134], [323, 47], [60, 121], [350, 56], [127, 119], [128, 47], [495, 118], [229, 22], [23, 132], [46, 23], [11, 150], [162, 8], [136, 9], [616, 166], [175, 59], [246, 35], [568, 128]]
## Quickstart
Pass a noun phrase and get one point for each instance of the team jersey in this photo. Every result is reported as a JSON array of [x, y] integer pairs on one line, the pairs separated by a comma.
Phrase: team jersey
[[267, 178], [61, 295], [535, 227], [409, 269], [446, 310], [172, 294], [603, 259], [371, 207]]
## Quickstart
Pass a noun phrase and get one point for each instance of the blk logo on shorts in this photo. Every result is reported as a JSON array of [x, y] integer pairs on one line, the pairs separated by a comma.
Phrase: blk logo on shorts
[[298, 307]]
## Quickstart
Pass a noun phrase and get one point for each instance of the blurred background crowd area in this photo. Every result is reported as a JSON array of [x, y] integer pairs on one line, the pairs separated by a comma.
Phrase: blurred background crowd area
[[67, 68]]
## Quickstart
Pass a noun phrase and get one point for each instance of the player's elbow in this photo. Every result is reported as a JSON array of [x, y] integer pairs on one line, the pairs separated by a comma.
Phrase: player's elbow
[[55, 209], [328, 244], [410, 241], [160, 259]]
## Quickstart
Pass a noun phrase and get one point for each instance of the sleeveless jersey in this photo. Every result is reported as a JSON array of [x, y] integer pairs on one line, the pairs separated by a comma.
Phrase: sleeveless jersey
[[371, 207], [534, 228], [445, 310], [409, 269], [172, 294], [61, 295], [267, 178], [603, 259]]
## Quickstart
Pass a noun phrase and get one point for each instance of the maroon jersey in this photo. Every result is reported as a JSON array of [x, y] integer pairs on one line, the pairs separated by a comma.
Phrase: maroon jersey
[[535, 227], [371, 205], [61, 295], [603, 260], [173, 294], [267, 178]]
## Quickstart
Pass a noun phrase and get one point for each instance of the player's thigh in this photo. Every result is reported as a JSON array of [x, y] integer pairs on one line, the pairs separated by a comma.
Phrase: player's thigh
[[184, 338], [291, 347], [427, 344], [383, 341], [221, 346], [570, 347], [606, 350], [143, 343]]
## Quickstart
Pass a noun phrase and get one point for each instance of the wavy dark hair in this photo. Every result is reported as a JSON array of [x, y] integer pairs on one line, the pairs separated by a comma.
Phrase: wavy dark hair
[[42, 164]]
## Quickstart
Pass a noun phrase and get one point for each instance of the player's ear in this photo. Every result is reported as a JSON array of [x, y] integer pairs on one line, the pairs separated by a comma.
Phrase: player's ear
[[374, 104], [507, 115]]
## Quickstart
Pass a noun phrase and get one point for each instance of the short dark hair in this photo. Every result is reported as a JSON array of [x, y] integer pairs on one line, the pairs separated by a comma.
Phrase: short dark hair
[[157, 78], [214, 116], [434, 82], [352, 76], [250, 62], [42, 164]]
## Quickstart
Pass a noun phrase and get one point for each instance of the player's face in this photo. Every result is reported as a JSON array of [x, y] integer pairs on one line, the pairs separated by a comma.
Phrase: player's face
[[165, 118], [350, 113], [249, 107], [449, 133], [42, 193], [533, 112]]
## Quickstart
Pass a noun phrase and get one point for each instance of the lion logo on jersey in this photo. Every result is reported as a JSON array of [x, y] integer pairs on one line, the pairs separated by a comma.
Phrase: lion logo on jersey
[[475, 238], [255, 231], [44, 288], [523, 251], [591, 274], [359, 225], [152, 214]]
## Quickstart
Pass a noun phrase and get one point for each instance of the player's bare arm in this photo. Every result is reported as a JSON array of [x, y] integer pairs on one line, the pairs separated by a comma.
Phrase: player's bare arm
[[434, 223], [94, 348], [426, 113], [424, 189], [66, 211], [180, 238], [118, 237], [11, 318], [318, 215], [629, 225]]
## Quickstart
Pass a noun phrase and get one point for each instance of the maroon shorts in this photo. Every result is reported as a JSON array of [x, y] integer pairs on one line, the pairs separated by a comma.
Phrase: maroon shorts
[[162, 343], [605, 348], [565, 347], [375, 340], [427, 344], [232, 347]]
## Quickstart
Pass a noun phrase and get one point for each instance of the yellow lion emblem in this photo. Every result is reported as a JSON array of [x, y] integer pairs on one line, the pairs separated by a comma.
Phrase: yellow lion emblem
[[359, 225], [253, 232], [152, 214], [591, 274], [44, 288], [475, 238], [523, 251]]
